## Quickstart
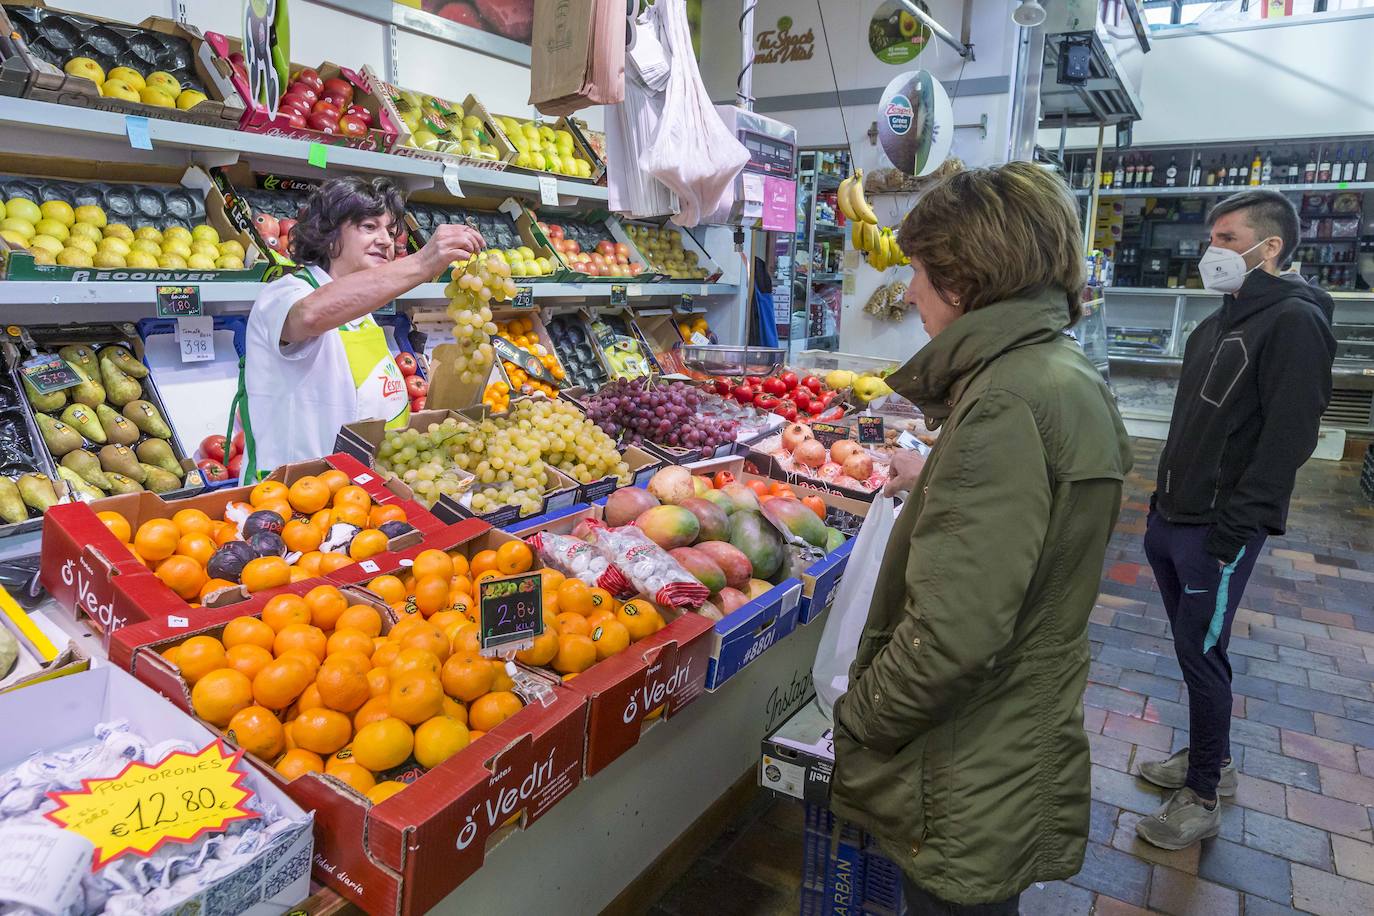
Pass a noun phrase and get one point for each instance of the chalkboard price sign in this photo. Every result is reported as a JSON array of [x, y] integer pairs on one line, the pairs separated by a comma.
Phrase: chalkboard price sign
[[871, 430], [619, 295], [524, 298], [512, 611], [828, 434], [48, 373], [178, 302]]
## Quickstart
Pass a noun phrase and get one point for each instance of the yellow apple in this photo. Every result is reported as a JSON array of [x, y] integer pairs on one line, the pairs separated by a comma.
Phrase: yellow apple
[[140, 259], [204, 233], [229, 262], [127, 75], [119, 231], [176, 247], [116, 245], [146, 246], [91, 215], [164, 82], [59, 210], [20, 227], [231, 249], [118, 89], [84, 66], [157, 98], [23, 208], [172, 262], [74, 257], [81, 244], [52, 227], [86, 231], [178, 233], [190, 98], [45, 242], [200, 262], [148, 232], [109, 259]]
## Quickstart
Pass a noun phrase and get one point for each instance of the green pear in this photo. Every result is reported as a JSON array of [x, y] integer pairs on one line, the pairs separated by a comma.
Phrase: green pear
[[81, 358], [159, 481], [122, 358], [53, 400], [37, 492], [57, 436], [120, 459], [88, 466], [159, 454], [90, 392], [12, 507], [78, 486], [119, 388], [146, 417], [82, 419], [117, 426], [119, 485]]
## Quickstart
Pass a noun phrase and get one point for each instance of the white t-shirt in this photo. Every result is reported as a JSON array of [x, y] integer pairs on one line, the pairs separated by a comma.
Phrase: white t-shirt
[[299, 395]]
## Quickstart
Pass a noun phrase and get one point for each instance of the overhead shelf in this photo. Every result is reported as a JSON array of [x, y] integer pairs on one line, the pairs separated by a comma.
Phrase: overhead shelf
[[47, 129], [1224, 191]]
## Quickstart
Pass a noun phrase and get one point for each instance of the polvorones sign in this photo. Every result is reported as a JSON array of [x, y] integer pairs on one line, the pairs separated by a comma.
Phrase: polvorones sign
[[781, 45]]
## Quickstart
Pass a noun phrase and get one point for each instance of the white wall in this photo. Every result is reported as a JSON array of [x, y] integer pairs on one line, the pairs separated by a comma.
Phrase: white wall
[[1306, 77]]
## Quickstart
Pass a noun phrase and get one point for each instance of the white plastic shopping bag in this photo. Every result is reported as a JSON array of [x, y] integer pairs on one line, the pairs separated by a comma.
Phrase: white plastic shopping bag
[[849, 613]]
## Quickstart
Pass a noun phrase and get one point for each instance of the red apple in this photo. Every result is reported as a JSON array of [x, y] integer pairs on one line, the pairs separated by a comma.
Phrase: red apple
[[622, 252], [266, 224], [573, 246], [554, 232], [361, 113], [352, 126], [335, 99], [407, 364], [326, 106], [416, 386], [212, 447], [212, 470], [296, 119], [297, 101], [635, 269], [274, 242], [605, 248], [336, 86], [324, 122], [308, 93], [310, 78], [284, 228]]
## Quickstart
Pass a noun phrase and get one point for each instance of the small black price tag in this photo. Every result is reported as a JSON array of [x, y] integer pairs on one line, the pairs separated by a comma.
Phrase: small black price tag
[[512, 610], [686, 300], [387, 310], [871, 431], [828, 434], [619, 294], [48, 373], [524, 298], [178, 302]]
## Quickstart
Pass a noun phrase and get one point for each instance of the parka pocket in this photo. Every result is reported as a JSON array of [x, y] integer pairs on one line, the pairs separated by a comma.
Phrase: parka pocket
[[880, 791]]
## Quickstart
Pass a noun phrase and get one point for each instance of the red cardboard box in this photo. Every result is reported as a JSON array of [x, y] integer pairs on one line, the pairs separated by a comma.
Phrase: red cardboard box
[[652, 679], [409, 852], [89, 572]]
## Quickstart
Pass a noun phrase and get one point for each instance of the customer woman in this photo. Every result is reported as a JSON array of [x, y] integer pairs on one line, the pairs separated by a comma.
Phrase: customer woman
[[960, 742], [316, 360]]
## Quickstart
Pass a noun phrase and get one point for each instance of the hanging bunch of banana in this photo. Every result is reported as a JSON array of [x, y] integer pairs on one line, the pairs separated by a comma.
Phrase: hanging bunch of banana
[[865, 233]]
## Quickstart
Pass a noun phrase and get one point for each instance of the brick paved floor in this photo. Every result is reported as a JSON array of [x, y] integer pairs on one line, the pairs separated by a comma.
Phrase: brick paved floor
[[1298, 836]]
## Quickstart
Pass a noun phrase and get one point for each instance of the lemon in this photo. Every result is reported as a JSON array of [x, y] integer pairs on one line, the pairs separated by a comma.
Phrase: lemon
[[180, 233], [20, 227], [189, 98], [200, 262], [118, 89], [148, 232], [204, 233], [205, 249], [84, 66], [108, 259], [116, 245], [59, 210], [74, 257], [141, 259], [156, 97], [23, 208], [172, 262], [14, 238], [43, 256], [45, 242], [165, 83], [176, 247], [119, 231], [86, 231], [147, 246], [231, 249], [229, 262], [82, 244], [52, 227]]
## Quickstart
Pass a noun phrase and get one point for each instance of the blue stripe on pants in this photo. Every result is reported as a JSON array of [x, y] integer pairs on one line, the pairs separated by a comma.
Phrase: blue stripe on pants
[[1223, 598]]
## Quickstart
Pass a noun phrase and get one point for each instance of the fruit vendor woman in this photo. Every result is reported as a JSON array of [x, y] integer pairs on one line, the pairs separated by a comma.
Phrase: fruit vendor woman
[[315, 358]]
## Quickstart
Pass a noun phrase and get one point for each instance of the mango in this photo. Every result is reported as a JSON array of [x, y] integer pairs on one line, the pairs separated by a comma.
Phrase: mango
[[800, 521], [714, 521], [706, 570], [733, 563], [669, 526], [758, 540]]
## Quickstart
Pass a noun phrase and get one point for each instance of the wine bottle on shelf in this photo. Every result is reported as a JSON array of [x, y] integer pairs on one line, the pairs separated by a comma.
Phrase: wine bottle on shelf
[[1256, 164], [1130, 172], [1119, 176], [1233, 172], [1220, 174], [1171, 173], [1348, 172], [1195, 175], [1150, 172], [1324, 168], [1106, 175], [1309, 173], [1209, 176], [1243, 174], [1267, 169], [1361, 167], [1294, 170]]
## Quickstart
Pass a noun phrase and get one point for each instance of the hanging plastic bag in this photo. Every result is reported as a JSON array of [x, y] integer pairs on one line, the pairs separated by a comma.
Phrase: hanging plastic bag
[[840, 638]]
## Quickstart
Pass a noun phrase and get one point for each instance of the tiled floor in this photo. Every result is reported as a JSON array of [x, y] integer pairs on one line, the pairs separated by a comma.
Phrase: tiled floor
[[1298, 836]]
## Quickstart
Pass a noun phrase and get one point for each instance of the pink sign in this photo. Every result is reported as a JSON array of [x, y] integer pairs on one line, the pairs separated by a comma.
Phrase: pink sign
[[779, 205]]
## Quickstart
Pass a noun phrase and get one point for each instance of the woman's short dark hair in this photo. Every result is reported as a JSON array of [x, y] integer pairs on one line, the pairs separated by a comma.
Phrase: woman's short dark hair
[[986, 235], [335, 204]]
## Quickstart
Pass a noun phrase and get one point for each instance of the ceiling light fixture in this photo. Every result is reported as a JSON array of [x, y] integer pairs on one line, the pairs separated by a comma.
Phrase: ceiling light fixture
[[1029, 14]]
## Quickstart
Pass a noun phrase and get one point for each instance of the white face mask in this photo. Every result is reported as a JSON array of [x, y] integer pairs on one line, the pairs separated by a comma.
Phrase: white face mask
[[1224, 270]]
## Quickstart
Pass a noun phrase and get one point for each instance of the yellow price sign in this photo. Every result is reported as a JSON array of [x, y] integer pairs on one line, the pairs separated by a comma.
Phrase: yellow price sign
[[176, 800]]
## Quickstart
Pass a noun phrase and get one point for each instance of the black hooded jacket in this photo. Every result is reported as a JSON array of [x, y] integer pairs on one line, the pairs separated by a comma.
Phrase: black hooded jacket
[[1256, 379]]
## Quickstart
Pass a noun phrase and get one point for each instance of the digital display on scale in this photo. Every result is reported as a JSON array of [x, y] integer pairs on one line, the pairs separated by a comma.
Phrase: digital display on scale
[[768, 155]]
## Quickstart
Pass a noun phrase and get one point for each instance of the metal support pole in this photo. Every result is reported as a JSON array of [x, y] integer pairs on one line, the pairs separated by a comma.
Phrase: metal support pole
[[1092, 201], [744, 94], [939, 31]]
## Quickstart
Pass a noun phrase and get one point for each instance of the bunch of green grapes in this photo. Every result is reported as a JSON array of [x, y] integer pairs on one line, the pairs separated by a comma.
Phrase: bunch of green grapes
[[568, 440], [483, 279], [422, 461]]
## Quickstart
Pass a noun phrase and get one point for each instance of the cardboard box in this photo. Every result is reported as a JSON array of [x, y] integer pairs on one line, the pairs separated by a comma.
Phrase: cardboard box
[[391, 99], [799, 757], [771, 467], [607, 229], [651, 681], [63, 712], [822, 578], [27, 75], [637, 232], [361, 441], [45, 651], [18, 264], [406, 854], [380, 137], [89, 572], [581, 145]]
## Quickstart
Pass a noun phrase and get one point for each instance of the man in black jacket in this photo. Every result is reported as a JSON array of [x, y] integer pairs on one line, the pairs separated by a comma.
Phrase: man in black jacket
[[1256, 378]]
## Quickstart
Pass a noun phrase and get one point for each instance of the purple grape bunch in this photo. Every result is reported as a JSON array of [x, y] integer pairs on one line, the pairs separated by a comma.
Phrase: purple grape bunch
[[633, 411]]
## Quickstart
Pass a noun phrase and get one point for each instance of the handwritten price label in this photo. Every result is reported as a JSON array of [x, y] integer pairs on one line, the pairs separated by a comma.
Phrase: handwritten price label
[[177, 800], [512, 611], [197, 338]]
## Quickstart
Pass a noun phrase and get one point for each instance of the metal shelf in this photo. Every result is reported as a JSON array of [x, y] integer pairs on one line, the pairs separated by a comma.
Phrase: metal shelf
[[1214, 191], [44, 128]]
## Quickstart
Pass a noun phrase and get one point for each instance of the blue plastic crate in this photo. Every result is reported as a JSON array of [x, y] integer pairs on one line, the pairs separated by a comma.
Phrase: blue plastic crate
[[846, 872]]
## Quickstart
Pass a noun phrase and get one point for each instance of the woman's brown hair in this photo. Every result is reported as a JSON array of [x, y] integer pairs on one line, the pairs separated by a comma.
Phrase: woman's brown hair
[[987, 235]]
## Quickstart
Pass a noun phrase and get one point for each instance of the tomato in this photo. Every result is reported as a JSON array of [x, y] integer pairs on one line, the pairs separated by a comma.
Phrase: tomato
[[722, 387], [789, 380], [416, 387], [815, 504], [765, 401], [212, 469], [212, 447], [774, 386], [407, 364], [744, 394], [722, 479], [812, 382], [787, 410]]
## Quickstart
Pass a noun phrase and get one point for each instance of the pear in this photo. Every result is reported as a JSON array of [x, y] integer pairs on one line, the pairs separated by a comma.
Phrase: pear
[[119, 459], [146, 417], [12, 508], [159, 481], [57, 436], [82, 419], [117, 426], [82, 359], [119, 485], [159, 454], [90, 392], [82, 490], [122, 358], [37, 492], [53, 400], [87, 466], [119, 388]]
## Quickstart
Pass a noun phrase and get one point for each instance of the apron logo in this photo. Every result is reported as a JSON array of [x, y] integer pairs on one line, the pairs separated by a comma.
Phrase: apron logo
[[391, 386]]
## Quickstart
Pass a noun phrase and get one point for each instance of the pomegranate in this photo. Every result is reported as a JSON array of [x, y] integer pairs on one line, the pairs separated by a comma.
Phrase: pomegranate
[[858, 465], [843, 449], [810, 453], [795, 434]]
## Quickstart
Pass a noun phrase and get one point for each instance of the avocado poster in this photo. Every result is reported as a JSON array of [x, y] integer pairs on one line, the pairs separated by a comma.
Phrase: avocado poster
[[894, 35]]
